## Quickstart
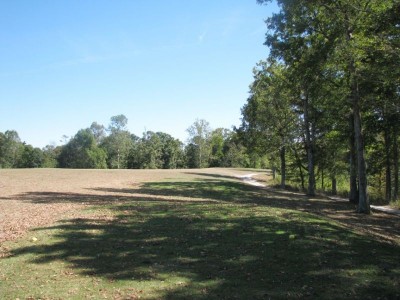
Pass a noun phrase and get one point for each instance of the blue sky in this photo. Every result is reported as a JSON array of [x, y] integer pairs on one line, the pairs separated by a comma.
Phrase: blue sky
[[67, 63]]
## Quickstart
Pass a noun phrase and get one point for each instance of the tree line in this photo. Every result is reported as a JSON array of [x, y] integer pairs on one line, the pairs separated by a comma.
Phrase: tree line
[[114, 147], [324, 105]]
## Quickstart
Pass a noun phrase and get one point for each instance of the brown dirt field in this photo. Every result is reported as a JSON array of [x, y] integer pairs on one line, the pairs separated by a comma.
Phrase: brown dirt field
[[37, 197]]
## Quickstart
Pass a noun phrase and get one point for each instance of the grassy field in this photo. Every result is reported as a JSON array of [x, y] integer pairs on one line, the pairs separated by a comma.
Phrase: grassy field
[[186, 234]]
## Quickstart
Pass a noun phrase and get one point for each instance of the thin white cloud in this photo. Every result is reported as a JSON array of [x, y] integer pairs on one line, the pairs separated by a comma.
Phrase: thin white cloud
[[201, 37], [88, 59], [231, 22], [76, 51], [92, 59], [221, 27], [259, 31]]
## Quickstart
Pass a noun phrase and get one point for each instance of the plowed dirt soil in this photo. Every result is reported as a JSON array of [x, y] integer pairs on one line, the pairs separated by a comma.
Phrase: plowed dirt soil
[[37, 197]]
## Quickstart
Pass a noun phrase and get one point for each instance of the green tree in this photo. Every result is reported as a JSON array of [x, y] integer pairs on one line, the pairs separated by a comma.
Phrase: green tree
[[147, 153], [268, 115], [82, 152], [309, 35], [192, 156], [118, 123], [172, 154], [199, 135], [11, 148], [156, 150], [99, 132], [234, 152], [50, 156], [118, 143], [217, 142], [31, 157]]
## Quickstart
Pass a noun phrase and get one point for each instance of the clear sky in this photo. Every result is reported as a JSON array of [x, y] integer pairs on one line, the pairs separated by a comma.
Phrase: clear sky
[[163, 63]]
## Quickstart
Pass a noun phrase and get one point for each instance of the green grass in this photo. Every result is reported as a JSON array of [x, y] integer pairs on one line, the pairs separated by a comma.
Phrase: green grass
[[211, 238], [395, 204]]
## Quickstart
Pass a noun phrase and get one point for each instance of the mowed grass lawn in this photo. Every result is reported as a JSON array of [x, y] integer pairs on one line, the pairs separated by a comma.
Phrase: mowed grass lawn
[[190, 234]]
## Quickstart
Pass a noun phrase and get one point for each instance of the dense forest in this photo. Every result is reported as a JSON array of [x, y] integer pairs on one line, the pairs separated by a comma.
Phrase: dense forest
[[324, 105], [114, 147]]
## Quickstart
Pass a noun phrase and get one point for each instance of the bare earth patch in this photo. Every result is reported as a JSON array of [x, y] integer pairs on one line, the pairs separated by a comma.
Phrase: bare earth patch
[[32, 198], [37, 197]]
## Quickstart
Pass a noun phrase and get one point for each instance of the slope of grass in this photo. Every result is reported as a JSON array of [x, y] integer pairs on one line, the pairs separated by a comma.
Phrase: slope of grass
[[206, 237]]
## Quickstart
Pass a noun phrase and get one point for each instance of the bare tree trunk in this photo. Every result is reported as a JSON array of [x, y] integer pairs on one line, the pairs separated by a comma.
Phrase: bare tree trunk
[[300, 166], [363, 201], [309, 147], [283, 166], [200, 152], [334, 185], [353, 196], [388, 177], [396, 162], [322, 179]]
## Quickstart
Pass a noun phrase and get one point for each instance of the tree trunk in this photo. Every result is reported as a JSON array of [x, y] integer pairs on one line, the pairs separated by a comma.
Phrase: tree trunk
[[353, 196], [283, 166], [200, 150], [396, 162], [334, 185], [309, 147], [322, 179], [300, 166], [363, 201], [388, 177]]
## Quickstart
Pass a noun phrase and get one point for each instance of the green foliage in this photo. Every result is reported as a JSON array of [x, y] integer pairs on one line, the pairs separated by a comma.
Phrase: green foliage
[[235, 153], [31, 157], [156, 151], [82, 152], [217, 140], [98, 131], [10, 149], [172, 152], [17, 154], [97, 158], [199, 135], [50, 155], [341, 67], [116, 148], [118, 143], [192, 156], [118, 123]]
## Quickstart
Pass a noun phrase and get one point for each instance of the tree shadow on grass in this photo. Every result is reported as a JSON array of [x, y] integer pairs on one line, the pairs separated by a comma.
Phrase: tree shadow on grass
[[214, 239], [234, 192], [228, 252]]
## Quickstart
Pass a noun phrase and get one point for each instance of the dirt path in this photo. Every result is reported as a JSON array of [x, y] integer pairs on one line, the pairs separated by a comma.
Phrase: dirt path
[[383, 223], [248, 178]]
